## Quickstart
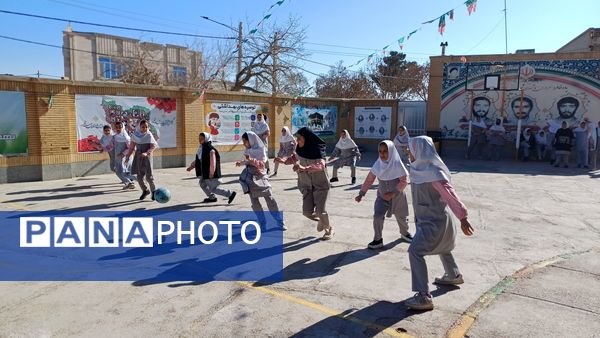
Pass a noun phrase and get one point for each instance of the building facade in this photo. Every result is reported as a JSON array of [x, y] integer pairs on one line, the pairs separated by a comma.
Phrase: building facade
[[102, 57]]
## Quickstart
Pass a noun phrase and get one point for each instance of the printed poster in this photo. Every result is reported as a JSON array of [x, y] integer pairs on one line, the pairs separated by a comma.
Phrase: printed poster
[[372, 122], [96, 111], [227, 121], [321, 119], [13, 123]]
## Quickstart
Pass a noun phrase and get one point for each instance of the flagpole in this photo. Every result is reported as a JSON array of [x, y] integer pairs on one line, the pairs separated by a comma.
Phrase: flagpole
[[505, 31]]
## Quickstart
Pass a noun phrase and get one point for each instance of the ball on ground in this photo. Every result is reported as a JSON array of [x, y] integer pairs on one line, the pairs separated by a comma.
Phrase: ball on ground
[[162, 195]]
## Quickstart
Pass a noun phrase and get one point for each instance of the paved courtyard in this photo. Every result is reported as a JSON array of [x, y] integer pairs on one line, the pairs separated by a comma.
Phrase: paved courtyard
[[536, 246]]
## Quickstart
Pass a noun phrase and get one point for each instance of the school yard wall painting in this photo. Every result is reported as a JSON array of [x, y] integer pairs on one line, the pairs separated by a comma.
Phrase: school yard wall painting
[[560, 90], [227, 121], [321, 119], [13, 123], [372, 122], [95, 111]]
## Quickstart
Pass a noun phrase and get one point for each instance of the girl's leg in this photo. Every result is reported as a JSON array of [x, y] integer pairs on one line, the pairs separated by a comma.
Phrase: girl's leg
[[352, 171], [449, 264], [334, 174], [204, 186], [320, 198], [274, 209], [214, 186], [276, 166], [418, 267], [380, 208], [255, 202], [400, 210], [140, 178]]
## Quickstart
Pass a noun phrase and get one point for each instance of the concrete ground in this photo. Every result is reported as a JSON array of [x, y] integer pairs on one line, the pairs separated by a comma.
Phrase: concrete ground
[[523, 213]]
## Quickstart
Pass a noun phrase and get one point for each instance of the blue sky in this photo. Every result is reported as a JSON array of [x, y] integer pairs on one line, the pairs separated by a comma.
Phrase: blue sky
[[364, 26]]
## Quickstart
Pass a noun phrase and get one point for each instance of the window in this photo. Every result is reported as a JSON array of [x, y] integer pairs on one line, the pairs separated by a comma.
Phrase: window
[[179, 74], [110, 69]]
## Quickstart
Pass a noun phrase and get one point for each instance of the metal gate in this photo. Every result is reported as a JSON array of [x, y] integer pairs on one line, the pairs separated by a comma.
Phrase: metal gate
[[412, 114]]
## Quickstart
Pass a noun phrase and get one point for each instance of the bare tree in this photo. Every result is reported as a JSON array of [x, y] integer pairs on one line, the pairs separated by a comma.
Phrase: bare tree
[[341, 83], [140, 69], [271, 54]]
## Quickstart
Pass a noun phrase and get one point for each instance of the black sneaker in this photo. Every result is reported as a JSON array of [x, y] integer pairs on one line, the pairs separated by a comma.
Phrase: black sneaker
[[333, 179], [376, 244], [268, 171], [231, 197], [152, 196], [145, 194], [210, 200], [353, 180]]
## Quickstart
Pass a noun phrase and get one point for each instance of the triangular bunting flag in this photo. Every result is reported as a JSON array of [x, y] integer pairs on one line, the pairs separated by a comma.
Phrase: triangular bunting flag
[[370, 58], [411, 33], [267, 16], [254, 31], [401, 43], [451, 15], [471, 6]]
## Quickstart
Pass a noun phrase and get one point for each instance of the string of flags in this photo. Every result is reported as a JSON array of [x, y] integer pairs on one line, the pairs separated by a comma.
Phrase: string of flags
[[245, 40], [471, 8]]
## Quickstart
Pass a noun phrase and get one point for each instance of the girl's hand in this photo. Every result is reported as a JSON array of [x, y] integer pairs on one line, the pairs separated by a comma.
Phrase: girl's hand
[[296, 167], [144, 154], [189, 168], [388, 196], [126, 160], [238, 163], [358, 198], [246, 156], [466, 227]]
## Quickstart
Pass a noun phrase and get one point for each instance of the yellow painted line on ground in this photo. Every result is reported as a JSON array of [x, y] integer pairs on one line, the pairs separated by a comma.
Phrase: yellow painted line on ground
[[325, 310], [317, 307], [465, 322]]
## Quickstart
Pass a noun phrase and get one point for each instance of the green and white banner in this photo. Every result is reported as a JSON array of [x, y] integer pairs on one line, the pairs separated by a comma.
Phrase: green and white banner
[[13, 123]]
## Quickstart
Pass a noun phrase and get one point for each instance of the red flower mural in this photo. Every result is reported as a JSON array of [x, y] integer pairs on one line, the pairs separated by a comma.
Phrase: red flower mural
[[89, 144], [166, 104]]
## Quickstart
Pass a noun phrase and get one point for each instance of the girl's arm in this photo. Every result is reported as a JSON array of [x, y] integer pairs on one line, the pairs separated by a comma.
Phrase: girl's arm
[[131, 149], [260, 165], [317, 166], [448, 195], [213, 164], [152, 147], [336, 152], [367, 184], [402, 184]]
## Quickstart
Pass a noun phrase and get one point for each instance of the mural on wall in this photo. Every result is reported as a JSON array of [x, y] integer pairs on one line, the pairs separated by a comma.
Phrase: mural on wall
[[372, 122], [227, 121], [552, 92], [95, 111], [321, 119], [13, 123]]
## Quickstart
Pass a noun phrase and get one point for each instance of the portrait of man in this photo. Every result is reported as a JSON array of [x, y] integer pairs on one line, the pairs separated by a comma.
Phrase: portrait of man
[[567, 107], [522, 112], [481, 106], [453, 73]]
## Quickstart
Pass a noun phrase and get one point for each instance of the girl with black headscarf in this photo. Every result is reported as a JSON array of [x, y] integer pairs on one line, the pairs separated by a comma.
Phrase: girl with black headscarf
[[313, 182]]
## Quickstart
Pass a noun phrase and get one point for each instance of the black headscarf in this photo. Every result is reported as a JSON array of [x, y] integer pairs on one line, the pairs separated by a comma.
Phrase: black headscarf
[[314, 146]]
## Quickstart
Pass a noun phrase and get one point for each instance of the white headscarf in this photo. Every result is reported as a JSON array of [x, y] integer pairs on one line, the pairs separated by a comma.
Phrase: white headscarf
[[539, 138], [525, 136], [287, 137], [257, 147], [402, 139], [123, 136], [260, 127], [392, 168], [428, 166], [143, 138], [346, 143], [207, 138]]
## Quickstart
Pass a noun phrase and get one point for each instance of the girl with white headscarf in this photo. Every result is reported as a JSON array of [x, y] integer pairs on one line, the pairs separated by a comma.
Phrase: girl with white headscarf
[[142, 145], [391, 199], [583, 143], [261, 128], [432, 198], [208, 170], [287, 147], [121, 141], [345, 153], [106, 145], [253, 179], [401, 144]]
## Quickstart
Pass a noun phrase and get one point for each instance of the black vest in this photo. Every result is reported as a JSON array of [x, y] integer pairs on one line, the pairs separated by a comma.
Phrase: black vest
[[203, 164]]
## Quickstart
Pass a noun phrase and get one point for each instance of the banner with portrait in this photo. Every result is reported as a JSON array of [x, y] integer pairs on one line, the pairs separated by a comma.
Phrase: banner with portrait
[[372, 122], [95, 111], [552, 92], [228, 121], [321, 119], [13, 123]]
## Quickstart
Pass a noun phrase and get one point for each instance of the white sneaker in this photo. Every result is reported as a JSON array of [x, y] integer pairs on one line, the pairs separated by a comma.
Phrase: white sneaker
[[328, 234], [284, 227], [420, 302], [447, 280], [407, 238]]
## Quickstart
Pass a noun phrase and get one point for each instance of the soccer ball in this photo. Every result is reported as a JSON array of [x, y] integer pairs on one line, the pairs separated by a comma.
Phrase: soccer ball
[[162, 195]]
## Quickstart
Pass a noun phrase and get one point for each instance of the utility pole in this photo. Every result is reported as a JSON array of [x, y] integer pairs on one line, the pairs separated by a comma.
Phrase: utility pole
[[274, 55], [239, 47], [505, 31]]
